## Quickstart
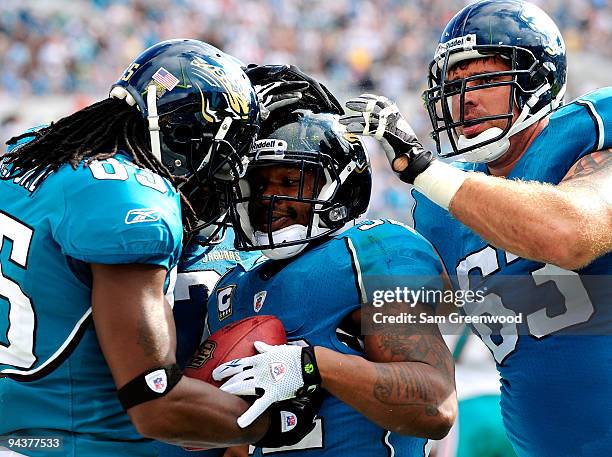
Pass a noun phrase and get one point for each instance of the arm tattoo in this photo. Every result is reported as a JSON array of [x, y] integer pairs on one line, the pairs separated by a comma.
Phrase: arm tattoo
[[399, 386], [597, 162], [425, 348], [409, 384]]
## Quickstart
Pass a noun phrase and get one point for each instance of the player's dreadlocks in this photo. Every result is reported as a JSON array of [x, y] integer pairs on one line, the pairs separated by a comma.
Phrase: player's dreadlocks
[[96, 132]]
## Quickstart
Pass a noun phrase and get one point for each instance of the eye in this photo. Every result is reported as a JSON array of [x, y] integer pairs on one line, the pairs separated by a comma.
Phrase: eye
[[491, 79], [289, 182], [452, 87]]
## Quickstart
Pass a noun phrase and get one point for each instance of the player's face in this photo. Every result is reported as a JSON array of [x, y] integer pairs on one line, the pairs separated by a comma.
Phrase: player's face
[[280, 181], [482, 102]]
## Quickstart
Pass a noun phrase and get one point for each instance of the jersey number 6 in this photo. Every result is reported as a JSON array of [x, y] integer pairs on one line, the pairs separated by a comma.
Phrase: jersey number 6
[[21, 319], [578, 306]]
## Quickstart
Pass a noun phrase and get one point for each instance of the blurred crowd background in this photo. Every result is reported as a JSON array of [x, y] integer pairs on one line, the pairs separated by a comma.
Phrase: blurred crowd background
[[59, 55]]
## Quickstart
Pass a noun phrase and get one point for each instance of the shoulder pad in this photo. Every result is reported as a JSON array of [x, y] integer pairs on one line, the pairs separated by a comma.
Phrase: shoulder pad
[[116, 213]]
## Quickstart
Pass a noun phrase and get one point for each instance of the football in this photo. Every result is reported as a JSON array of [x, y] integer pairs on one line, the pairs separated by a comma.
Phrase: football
[[232, 342]]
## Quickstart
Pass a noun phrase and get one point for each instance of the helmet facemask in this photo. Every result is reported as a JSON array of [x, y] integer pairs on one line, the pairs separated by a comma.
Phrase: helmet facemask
[[316, 203], [524, 37], [257, 212], [527, 82], [206, 165]]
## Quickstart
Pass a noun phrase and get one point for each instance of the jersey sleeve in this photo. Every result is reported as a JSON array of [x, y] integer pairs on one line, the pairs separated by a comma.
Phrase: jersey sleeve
[[119, 221], [598, 104], [388, 255]]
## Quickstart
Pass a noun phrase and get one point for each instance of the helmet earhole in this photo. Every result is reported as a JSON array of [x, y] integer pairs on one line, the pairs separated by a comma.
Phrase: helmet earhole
[[540, 75]]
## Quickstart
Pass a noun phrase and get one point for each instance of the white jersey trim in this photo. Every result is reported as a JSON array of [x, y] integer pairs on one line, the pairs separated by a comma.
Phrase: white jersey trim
[[598, 121], [75, 331]]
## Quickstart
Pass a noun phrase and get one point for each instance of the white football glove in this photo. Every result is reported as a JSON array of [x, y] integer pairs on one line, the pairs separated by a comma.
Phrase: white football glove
[[380, 117], [277, 373]]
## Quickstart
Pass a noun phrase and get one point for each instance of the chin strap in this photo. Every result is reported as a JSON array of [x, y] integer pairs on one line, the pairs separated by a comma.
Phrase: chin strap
[[220, 135], [121, 93], [295, 232], [153, 119]]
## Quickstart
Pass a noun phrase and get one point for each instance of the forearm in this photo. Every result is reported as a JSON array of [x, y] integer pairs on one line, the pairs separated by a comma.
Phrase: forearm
[[135, 328], [533, 220], [411, 398], [196, 414]]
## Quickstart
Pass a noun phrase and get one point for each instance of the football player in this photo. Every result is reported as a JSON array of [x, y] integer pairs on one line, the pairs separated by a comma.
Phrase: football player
[[93, 211], [211, 252], [532, 199], [385, 393]]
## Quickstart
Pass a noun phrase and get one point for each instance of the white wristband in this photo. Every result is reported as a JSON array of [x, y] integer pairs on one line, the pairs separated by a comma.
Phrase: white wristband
[[440, 182]]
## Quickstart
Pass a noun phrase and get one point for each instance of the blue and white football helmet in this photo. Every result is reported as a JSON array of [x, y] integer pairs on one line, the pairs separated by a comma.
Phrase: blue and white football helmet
[[529, 41]]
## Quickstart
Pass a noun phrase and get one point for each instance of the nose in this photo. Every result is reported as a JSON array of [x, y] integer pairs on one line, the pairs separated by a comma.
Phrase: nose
[[268, 190], [472, 97], [469, 100]]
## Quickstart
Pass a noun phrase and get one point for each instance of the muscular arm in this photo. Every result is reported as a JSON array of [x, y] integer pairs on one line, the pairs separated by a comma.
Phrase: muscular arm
[[568, 225], [406, 385], [135, 329]]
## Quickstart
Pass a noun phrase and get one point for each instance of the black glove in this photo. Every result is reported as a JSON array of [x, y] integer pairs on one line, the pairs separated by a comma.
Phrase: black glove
[[291, 420], [313, 94], [379, 117]]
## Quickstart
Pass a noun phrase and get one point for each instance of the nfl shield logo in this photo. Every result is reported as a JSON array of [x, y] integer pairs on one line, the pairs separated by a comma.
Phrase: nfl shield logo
[[203, 355], [157, 381], [289, 421], [277, 369], [258, 300]]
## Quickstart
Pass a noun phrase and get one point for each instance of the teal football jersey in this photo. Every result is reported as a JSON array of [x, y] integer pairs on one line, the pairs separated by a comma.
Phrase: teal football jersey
[[555, 366], [55, 379], [312, 294]]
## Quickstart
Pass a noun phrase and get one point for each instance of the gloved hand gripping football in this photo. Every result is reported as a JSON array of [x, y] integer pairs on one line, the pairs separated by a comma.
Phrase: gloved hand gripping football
[[277, 373]]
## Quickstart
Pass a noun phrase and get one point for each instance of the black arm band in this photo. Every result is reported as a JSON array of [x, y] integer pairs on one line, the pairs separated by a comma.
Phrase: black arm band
[[149, 385]]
